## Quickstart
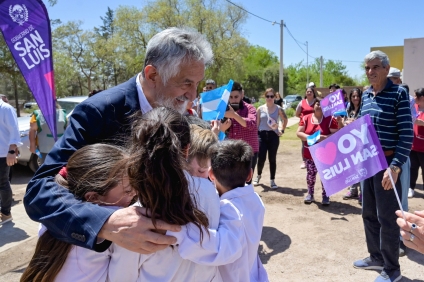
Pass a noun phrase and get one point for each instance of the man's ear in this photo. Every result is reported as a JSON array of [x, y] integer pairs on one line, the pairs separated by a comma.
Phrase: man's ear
[[91, 197], [150, 74], [249, 177]]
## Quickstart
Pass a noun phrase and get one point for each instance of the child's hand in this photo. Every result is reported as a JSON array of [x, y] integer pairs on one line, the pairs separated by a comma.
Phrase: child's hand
[[215, 126]]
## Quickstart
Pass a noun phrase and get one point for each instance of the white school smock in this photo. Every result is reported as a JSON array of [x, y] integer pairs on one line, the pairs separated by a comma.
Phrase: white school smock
[[234, 246], [83, 265], [168, 265]]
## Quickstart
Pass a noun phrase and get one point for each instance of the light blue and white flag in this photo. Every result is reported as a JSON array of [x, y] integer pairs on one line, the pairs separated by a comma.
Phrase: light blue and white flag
[[214, 103], [312, 139]]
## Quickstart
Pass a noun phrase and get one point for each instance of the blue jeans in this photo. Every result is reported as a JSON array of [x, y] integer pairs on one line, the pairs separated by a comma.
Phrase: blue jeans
[[405, 180], [5, 189], [378, 214]]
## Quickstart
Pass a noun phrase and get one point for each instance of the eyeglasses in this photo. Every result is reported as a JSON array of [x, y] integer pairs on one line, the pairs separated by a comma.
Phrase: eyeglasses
[[374, 68], [270, 96]]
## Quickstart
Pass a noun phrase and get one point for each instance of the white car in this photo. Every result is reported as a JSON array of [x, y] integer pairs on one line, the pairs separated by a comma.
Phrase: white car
[[28, 158]]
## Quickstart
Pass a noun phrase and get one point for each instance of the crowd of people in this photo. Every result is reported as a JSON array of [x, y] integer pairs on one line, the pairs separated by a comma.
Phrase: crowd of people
[[140, 189]]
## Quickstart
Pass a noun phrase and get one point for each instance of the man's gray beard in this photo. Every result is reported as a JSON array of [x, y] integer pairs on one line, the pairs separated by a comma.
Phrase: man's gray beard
[[170, 103]]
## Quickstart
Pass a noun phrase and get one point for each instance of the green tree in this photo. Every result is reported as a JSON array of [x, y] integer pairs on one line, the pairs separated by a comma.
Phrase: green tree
[[81, 46], [256, 61], [333, 72]]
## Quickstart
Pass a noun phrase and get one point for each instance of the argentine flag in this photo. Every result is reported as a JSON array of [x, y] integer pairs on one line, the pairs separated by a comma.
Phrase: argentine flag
[[312, 139], [214, 103]]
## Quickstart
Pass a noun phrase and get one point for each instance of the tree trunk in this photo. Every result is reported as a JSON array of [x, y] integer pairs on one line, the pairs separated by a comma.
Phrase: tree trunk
[[15, 89]]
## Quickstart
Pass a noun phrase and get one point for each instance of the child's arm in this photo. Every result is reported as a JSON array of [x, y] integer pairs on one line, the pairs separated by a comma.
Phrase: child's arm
[[219, 247]]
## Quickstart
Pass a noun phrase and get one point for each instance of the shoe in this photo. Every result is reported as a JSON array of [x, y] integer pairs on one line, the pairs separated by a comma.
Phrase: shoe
[[325, 201], [5, 218], [309, 199], [411, 193], [368, 263], [350, 195], [273, 185], [303, 165], [360, 199], [256, 181], [384, 277]]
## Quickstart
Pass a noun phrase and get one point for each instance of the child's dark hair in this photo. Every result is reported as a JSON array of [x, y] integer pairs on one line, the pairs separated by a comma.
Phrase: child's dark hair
[[96, 168], [231, 162], [155, 168]]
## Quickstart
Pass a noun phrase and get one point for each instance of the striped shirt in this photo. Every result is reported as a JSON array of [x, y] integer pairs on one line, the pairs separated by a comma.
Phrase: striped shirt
[[391, 115]]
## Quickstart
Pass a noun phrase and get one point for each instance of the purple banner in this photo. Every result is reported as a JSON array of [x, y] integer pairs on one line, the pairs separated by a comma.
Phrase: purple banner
[[26, 29], [332, 103], [350, 155]]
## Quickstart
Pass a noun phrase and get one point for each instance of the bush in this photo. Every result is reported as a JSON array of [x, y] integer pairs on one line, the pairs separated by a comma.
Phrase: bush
[[290, 112], [259, 103], [294, 105]]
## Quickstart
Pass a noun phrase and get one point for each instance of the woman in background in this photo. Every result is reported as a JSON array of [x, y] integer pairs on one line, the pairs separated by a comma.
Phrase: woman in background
[[352, 110]]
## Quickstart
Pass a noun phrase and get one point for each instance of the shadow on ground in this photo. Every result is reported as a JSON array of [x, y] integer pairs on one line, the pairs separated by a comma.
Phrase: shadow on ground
[[10, 233], [297, 192], [21, 174], [275, 240], [415, 256], [406, 279]]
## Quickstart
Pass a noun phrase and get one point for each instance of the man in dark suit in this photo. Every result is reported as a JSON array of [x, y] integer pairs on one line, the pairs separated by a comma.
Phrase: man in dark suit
[[174, 65]]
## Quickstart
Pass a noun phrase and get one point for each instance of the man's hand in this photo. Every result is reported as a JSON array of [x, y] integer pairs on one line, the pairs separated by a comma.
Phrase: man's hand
[[132, 230], [386, 183], [225, 125], [230, 113], [12, 159], [407, 231]]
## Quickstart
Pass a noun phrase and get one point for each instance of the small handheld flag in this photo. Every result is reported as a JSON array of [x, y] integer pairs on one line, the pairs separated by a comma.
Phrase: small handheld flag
[[214, 102], [314, 138]]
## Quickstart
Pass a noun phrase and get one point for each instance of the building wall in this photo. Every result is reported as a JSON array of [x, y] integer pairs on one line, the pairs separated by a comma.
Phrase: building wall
[[395, 53], [413, 72]]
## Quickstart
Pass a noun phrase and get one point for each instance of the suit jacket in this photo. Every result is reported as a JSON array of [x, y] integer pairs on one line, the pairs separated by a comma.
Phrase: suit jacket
[[105, 118]]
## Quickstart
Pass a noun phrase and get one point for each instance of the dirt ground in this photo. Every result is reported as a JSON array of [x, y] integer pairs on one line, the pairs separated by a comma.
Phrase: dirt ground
[[313, 242]]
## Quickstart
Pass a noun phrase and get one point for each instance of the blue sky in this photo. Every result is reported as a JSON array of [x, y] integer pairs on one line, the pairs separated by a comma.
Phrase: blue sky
[[341, 30]]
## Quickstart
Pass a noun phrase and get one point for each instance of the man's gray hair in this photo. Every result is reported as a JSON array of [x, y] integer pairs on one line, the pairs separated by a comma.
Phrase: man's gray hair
[[384, 59], [173, 46]]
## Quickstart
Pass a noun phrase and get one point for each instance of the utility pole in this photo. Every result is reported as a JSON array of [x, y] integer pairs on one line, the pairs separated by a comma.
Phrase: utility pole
[[307, 65], [320, 73], [281, 80]]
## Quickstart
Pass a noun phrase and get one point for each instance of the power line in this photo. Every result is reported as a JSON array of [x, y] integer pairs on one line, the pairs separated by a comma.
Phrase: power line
[[291, 35], [273, 22]]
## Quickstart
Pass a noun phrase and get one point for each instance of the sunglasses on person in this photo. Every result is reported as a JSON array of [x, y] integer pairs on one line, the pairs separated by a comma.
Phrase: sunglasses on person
[[270, 96]]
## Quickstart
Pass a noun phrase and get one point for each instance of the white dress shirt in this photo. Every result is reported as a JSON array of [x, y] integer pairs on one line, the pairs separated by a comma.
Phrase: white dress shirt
[[234, 246], [168, 265], [9, 130], [144, 104]]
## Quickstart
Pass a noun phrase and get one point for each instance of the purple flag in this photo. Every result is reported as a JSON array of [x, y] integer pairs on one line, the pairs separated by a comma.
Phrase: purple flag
[[26, 29], [333, 102], [350, 155]]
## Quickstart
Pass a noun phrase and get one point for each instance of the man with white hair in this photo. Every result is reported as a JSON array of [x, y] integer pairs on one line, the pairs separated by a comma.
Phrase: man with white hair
[[174, 65], [395, 75], [388, 106]]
